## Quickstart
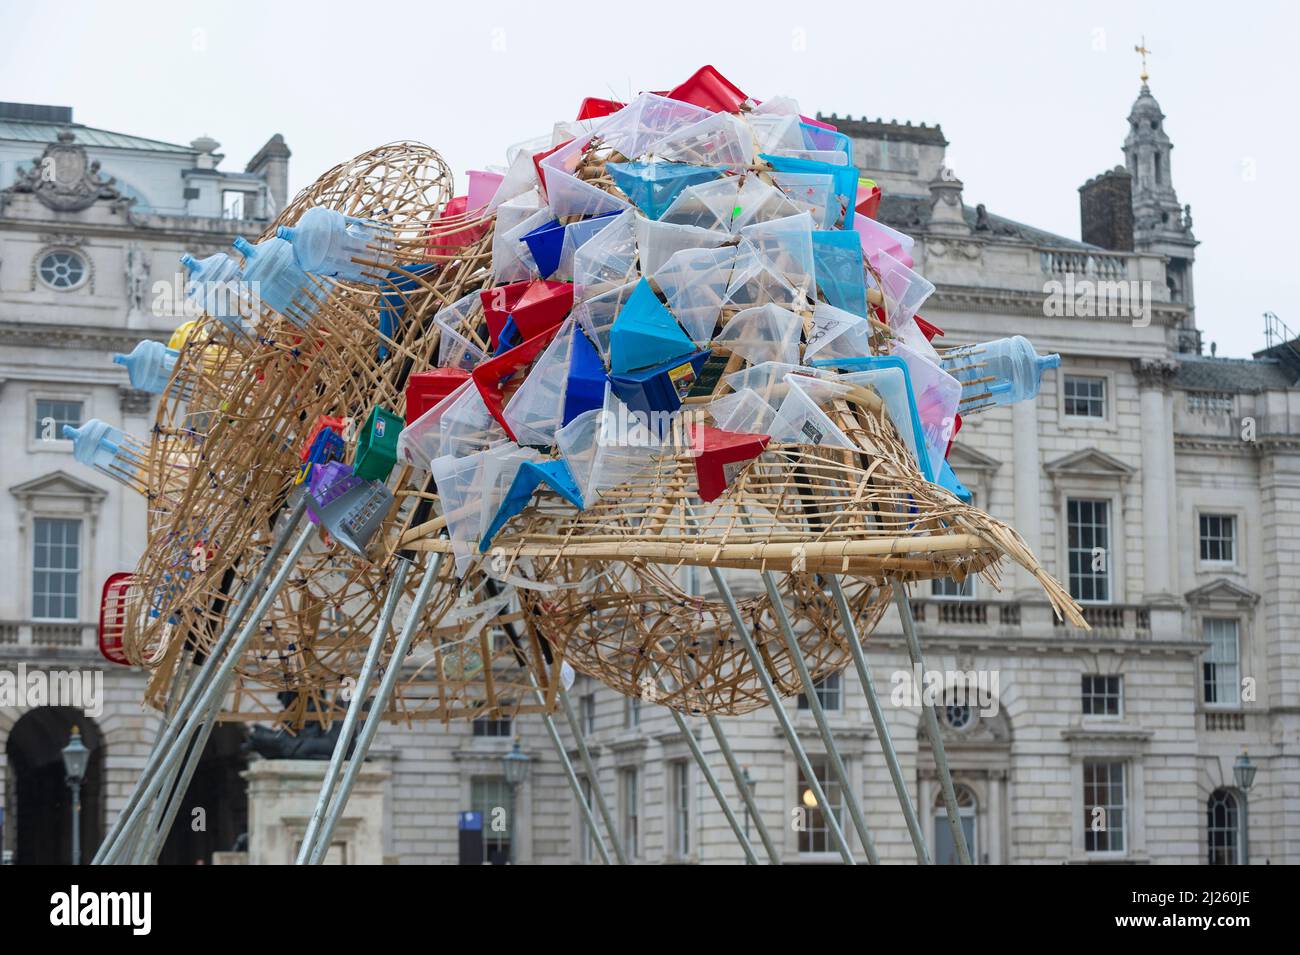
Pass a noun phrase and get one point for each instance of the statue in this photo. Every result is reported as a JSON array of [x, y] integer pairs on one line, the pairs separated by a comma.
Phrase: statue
[[137, 278], [310, 742]]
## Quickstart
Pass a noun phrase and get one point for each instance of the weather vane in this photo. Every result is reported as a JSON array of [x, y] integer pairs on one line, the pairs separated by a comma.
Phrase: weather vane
[[1141, 48]]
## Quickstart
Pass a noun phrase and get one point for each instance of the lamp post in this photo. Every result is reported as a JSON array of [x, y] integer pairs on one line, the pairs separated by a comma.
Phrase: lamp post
[[1243, 772], [515, 764], [748, 781], [75, 757]]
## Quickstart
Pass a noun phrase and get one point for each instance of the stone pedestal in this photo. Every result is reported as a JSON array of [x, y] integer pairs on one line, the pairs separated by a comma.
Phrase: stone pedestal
[[281, 796]]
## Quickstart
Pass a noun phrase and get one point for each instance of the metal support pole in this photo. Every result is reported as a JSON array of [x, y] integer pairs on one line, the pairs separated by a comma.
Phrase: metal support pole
[[739, 776], [157, 837], [878, 719], [589, 767], [213, 693], [819, 715], [932, 724], [694, 745], [360, 692], [377, 707], [199, 681], [792, 738], [570, 774]]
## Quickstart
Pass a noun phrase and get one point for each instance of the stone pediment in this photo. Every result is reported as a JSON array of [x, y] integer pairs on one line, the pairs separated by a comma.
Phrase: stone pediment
[[58, 484], [1222, 592], [1092, 463], [964, 458]]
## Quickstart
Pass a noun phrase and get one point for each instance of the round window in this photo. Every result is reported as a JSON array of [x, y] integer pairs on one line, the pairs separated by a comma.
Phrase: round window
[[62, 269], [958, 716]]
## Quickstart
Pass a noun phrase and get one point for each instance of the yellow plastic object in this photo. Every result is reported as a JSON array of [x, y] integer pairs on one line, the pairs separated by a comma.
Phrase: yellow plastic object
[[181, 335]]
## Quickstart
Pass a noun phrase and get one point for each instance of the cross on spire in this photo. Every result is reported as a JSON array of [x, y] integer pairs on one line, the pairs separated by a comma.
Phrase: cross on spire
[[1141, 48]]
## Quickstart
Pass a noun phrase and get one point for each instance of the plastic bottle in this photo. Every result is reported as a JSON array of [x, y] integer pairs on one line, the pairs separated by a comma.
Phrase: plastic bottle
[[213, 287], [325, 242], [99, 445], [149, 365], [273, 276], [1015, 368]]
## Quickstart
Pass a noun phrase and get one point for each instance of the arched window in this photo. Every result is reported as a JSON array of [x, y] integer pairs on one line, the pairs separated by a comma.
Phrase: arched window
[[1223, 828], [1158, 172], [945, 850]]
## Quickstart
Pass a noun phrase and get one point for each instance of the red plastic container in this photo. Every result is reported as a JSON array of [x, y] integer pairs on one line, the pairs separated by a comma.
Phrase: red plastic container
[[593, 108], [870, 204], [452, 242], [426, 388], [537, 162], [112, 616], [535, 305], [928, 329], [716, 465], [490, 376], [709, 89]]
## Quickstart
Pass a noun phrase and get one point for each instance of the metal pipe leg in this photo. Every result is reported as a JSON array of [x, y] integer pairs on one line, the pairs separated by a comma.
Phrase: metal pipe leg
[[199, 681], [932, 725], [748, 797], [377, 707], [878, 719], [570, 774], [782, 717], [694, 745], [819, 715], [157, 836], [216, 688], [359, 694], [589, 767]]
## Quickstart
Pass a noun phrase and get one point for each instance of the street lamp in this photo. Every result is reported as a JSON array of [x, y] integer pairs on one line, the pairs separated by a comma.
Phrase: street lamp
[[515, 765], [75, 757], [1243, 771]]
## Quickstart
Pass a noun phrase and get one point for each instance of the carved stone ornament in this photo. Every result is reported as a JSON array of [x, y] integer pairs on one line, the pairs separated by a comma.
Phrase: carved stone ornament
[[65, 179]]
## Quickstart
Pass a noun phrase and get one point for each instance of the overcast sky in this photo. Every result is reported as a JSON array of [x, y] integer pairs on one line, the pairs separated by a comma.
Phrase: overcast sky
[[1032, 96]]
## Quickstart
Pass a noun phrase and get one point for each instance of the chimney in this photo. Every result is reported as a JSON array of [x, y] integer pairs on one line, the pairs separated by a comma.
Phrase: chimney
[[1106, 210], [272, 164]]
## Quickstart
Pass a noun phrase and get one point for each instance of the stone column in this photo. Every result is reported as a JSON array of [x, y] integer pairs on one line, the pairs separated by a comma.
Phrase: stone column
[[1159, 519]]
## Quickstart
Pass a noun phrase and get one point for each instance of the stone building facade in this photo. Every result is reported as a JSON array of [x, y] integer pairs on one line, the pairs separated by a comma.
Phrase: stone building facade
[[1160, 484], [90, 221]]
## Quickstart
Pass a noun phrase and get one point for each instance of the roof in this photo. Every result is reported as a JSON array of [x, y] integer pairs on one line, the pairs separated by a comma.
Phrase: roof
[[28, 131], [893, 130], [912, 213], [1235, 375]]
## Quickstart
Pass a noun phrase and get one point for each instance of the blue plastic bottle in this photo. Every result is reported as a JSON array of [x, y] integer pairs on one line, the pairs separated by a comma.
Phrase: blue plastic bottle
[[273, 276], [325, 242], [149, 365], [213, 287], [1015, 368], [99, 445]]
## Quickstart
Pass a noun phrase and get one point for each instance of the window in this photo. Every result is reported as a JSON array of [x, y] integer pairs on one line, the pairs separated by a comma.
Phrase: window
[[1104, 814], [631, 712], [62, 269], [1210, 403], [829, 690], [52, 414], [1218, 537], [1222, 660], [491, 726], [945, 849], [1088, 549], [629, 800], [949, 588], [1085, 396], [490, 795], [587, 713], [1223, 828], [958, 716], [1101, 695], [680, 796], [815, 836], [56, 568]]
